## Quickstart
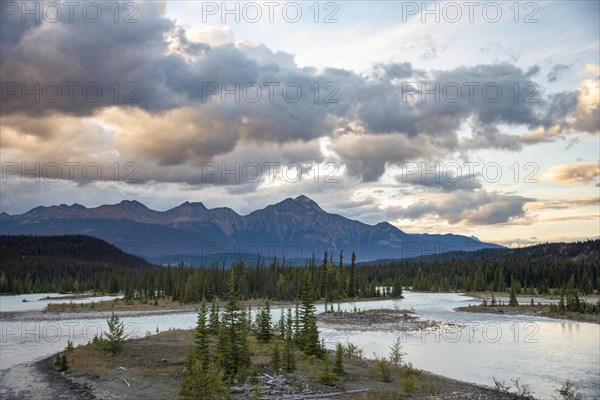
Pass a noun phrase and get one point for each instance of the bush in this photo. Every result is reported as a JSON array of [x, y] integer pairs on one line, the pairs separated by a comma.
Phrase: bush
[[326, 376], [520, 391], [408, 383], [352, 351], [61, 362], [381, 370], [568, 391], [200, 383]]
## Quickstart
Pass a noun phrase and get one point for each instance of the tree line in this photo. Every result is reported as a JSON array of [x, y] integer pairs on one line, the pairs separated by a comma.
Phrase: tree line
[[79, 264]]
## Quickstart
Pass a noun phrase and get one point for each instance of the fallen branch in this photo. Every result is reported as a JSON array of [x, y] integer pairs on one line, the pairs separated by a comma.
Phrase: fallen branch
[[126, 382]]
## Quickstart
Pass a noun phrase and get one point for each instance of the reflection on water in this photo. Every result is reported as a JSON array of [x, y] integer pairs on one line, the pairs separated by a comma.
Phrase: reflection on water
[[541, 352]]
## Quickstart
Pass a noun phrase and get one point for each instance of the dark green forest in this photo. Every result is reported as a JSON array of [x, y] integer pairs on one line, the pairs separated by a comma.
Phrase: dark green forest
[[78, 263]]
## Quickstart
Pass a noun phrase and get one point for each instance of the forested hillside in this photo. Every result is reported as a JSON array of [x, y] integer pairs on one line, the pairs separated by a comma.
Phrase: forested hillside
[[541, 267], [63, 263]]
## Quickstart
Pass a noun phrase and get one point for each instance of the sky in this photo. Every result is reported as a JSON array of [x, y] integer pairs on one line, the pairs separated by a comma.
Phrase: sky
[[476, 118]]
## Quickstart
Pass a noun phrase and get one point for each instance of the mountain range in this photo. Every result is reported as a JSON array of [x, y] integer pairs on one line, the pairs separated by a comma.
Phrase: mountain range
[[295, 228]]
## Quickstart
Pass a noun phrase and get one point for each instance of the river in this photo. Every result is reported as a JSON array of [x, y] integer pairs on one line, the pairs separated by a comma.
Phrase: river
[[543, 353]]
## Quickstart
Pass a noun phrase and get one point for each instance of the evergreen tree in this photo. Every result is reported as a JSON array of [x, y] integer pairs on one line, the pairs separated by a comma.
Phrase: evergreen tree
[[214, 317], [312, 345], [309, 334], [114, 282], [561, 303], [397, 288], [512, 302], [396, 353], [263, 323], [281, 324], [352, 278], [61, 362], [232, 341], [202, 335], [128, 295], [115, 337], [289, 352], [326, 377], [338, 366], [297, 324], [276, 359]]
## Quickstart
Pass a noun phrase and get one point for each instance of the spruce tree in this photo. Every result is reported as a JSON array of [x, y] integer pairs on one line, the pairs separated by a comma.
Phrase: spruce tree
[[512, 302], [232, 342], [338, 366], [214, 317], [115, 337], [397, 288], [281, 324], [276, 359], [297, 324], [263, 323], [202, 335], [289, 349], [309, 334], [352, 278], [311, 343]]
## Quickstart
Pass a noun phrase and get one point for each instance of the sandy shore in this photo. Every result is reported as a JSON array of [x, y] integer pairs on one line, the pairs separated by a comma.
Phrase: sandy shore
[[39, 380]]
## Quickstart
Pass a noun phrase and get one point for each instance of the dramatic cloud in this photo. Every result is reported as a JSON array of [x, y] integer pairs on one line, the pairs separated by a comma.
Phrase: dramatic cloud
[[466, 208], [197, 95], [194, 109], [570, 174], [366, 155], [580, 111]]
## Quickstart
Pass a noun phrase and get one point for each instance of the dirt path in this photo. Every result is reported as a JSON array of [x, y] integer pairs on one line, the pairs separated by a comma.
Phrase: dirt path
[[39, 380]]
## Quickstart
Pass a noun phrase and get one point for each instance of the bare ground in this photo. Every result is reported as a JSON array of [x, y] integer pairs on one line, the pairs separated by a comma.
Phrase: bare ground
[[40, 380]]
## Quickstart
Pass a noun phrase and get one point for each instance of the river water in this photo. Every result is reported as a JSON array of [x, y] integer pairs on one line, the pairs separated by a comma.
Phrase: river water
[[543, 353]]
